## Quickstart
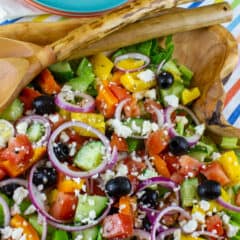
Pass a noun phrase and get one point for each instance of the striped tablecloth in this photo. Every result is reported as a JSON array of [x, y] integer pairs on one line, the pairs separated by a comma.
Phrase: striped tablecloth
[[232, 86]]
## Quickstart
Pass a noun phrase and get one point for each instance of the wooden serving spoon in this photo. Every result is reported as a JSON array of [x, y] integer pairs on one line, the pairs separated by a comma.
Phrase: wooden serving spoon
[[18, 68]]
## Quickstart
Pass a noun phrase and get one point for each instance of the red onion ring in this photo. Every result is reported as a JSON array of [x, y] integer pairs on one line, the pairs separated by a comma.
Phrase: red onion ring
[[44, 229], [19, 181], [114, 158], [139, 56], [33, 195], [227, 205], [165, 182], [159, 69], [192, 140], [160, 115], [165, 233], [119, 108], [110, 156], [6, 212], [167, 210], [141, 234], [38, 119], [88, 106]]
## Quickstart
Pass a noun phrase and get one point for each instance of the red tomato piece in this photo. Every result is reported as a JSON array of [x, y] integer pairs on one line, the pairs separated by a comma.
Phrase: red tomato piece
[[19, 150], [119, 142], [157, 141], [149, 104], [214, 171], [64, 207], [134, 166], [172, 161], [27, 96], [119, 92], [131, 108], [2, 173], [189, 166], [214, 223], [177, 177], [117, 226]]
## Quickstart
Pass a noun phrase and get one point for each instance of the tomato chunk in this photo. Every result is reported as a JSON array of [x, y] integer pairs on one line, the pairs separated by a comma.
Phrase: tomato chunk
[[119, 142], [119, 92], [214, 171], [157, 141], [189, 166], [214, 223], [131, 108], [117, 226], [64, 206]]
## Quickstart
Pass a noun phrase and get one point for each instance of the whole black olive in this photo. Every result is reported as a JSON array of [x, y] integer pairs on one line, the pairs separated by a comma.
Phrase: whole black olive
[[44, 105], [149, 198], [118, 186], [45, 176], [61, 151], [178, 145], [209, 190], [165, 80], [9, 189]]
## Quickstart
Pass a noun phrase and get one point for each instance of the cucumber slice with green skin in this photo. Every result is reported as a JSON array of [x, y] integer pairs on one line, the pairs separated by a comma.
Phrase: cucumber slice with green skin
[[62, 71], [90, 155], [199, 152], [35, 131], [13, 112], [89, 234], [24, 205], [89, 208], [172, 68], [187, 75], [134, 144], [189, 191], [60, 235]]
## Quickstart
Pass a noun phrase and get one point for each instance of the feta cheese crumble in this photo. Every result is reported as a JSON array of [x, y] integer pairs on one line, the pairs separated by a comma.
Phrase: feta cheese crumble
[[146, 76], [172, 100], [19, 194]]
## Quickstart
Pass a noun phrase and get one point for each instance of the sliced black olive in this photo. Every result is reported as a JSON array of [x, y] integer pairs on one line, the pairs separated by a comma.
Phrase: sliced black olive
[[118, 186], [178, 145], [44, 105], [149, 198], [9, 189], [61, 151], [209, 190], [45, 176]]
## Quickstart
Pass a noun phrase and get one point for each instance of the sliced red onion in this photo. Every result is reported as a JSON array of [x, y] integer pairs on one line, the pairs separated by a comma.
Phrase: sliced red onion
[[18, 181], [159, 69], [86, 105], [114, 158], [141, 234], [108, 159], [44, 229], [35, 197], [6, 212], [137, 56], [167, 210], [192, 140], [37, 119], [207, 234], [227, 205], [165, 233], [119, 109], [160, 115]]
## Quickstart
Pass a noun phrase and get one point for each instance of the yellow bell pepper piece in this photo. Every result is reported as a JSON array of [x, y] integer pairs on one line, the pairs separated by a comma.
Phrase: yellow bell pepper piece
[[93, 119], [130, 63], [69, 186], [102, 66], [190, 237], [133, 84], [188, 95], [64, 113], [231, 166]]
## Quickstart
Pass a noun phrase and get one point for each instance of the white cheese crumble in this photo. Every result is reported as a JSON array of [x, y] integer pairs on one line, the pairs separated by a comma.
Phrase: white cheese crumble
[[120, 129], [215, 155], [122, 170], [182, 119], [54, 118], [12, 233], [146, 76], [19, 194], [92, 215], [190, 226], [232, 230], [204, 205], [198, 216], [22, 127], [172, 100], [152, 94], [31, 209], [177, 234], [64, 137], [199, 129], [79, 237]]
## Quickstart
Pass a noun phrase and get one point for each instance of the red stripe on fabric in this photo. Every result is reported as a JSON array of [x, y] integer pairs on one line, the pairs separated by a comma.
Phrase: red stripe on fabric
[[230, 94]]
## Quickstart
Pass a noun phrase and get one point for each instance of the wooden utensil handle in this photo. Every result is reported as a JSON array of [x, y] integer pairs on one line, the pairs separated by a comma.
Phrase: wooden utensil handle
[[106, 24]]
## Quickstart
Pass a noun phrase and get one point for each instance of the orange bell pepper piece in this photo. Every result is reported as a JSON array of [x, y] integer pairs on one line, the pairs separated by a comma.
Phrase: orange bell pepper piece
[[116, 77], [119, 92], [126, 204], [19, 222], [106, 102], [161, 166], [119, 142], [47, 83]]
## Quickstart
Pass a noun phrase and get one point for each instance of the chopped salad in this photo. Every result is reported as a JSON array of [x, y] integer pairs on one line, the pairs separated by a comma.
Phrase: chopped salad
[[107, 147]]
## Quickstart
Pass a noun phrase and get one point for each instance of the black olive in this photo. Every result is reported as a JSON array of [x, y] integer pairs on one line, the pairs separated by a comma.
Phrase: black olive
[[149, 198], [118, 186], [178, 145], [44, 105], [9, 189], [45, 176], [209, 190], [113, 210], [146, 224], [165, 80], [61, 151]]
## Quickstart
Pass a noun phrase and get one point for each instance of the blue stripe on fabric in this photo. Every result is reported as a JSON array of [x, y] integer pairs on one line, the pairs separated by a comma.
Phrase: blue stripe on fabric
[[10, 21], [234, 116], [234, 23], [195, 4]]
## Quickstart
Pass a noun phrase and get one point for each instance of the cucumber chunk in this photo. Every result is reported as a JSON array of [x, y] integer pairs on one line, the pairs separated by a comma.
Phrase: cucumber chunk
[[13, 112], [62, 71], [35, 132], [90, 155], [60, 235], [189, 191], [89, 208]]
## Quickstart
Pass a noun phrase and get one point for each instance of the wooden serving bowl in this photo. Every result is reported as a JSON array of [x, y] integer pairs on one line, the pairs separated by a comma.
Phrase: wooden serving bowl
[[211, 53]]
